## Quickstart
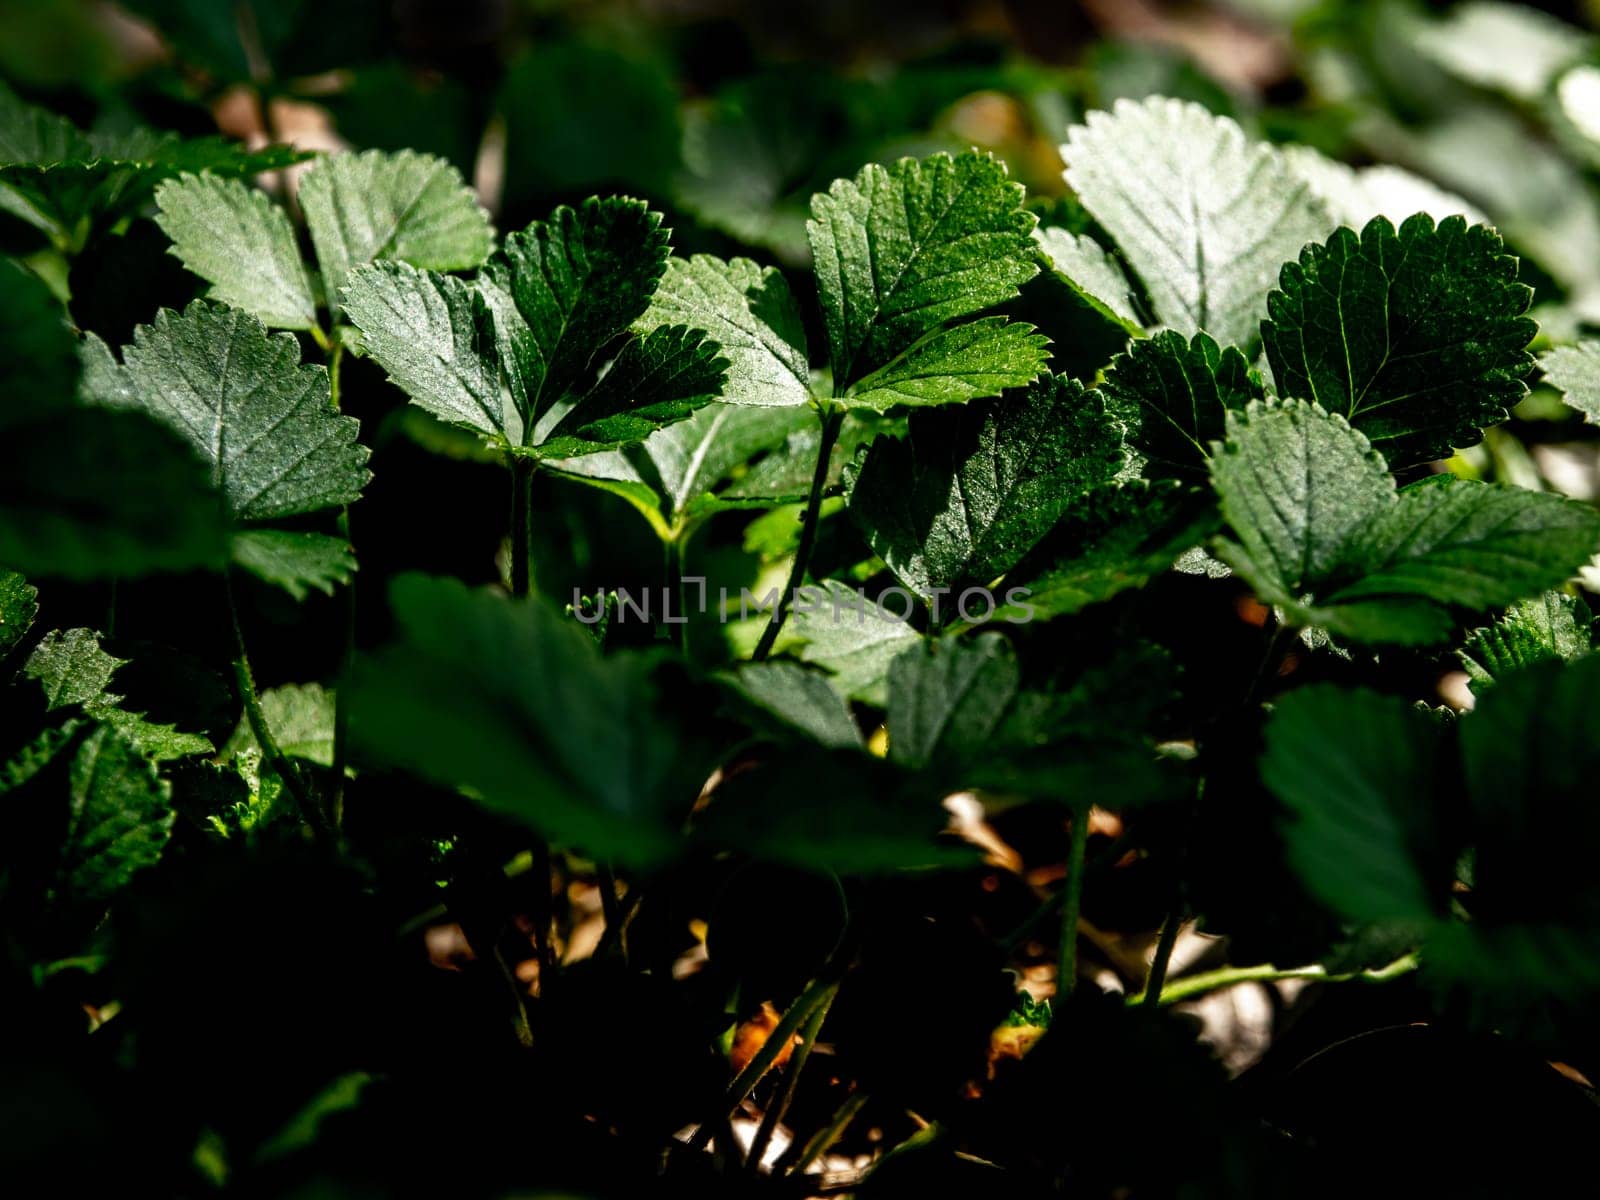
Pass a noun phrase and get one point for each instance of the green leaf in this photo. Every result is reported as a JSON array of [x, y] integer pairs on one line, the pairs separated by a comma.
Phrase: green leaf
[[948, 697], [433, 336], [852, 638], [301, 718], [1111, 540], [513, 701], [75, 672], [235, 238], [1173, 396], [68, 183], [799, 699], [1297, 487], [71, 668], [1204, 217], [38, 352], [1358, 773], [839, 811], [1469, 544], [295, 561], [408, 207], [955, 364], [19, 604], [970, 490], [1548, 628], [1415, 337], [1574, 371], [1324, 535], [750, 313], [656, 380], [669, 475], [1085, 266], [240, 397], [91, 494], [574, 282], [900, 250], [120, 819]]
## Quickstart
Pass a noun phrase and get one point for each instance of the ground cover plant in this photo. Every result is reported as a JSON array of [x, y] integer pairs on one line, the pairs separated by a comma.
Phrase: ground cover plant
[[602, 602]]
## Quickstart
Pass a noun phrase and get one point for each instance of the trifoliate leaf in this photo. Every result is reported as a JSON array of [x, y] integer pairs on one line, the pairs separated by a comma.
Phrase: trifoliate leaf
[[952, 365], [1092, 273], [798, 699], [1358, 773], [900, 250], [294, 560], [669, 476], [120, 819], [1203, 217], [853, 638], [1324, 535], [19, 604], [235, 238], [1111, 540], [301, 718], [1548, 628], [1355, 195], [432, 334], [408, 207], [1574, 371], [574, 282], [38, 352], [241, 398], [513, 701], [970, 490], [1415, 337], [947, 697], [1173, 394], [750, 313], [656, 380], [75, 672]]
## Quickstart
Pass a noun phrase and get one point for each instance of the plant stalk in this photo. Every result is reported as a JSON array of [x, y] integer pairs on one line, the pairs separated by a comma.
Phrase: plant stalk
[[1067, 971], [244, 677], [522, 473], [832, 423], [1162, 960], [1192, 986], [791, 1081]]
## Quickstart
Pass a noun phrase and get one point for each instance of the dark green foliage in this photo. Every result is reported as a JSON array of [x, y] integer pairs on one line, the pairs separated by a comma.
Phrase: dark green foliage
[[1053, 536]]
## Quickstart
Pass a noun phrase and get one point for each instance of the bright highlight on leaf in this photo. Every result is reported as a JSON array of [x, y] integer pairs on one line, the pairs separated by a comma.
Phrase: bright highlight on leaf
[[1203, 217]]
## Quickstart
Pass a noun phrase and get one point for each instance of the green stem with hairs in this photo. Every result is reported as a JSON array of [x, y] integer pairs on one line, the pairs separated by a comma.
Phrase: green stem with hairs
[[832, 422]]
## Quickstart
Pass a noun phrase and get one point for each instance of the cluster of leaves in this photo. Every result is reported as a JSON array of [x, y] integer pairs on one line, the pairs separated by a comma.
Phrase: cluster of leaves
[[999, 477]]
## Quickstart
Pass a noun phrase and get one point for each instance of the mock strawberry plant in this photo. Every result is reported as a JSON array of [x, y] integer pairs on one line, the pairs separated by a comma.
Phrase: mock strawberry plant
[[661, 696]]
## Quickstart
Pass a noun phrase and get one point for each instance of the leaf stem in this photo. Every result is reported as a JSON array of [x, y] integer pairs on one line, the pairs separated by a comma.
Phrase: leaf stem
[[822, 1141], [832, 422], [819, 991], [1067, 971], [1156, 980], [522, 473], [347, 650], [244, 677], [1191, 986], [791, 1081]]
